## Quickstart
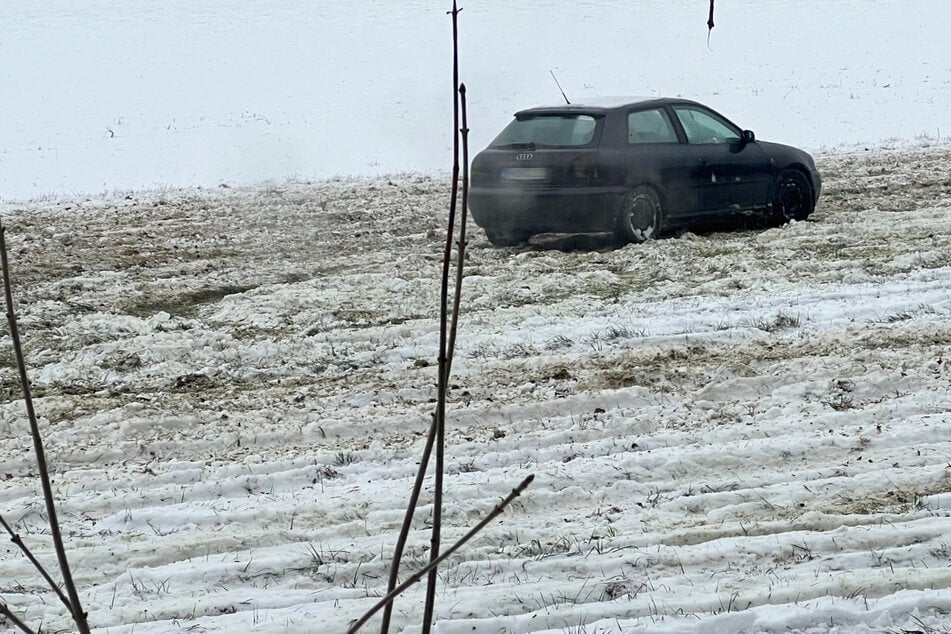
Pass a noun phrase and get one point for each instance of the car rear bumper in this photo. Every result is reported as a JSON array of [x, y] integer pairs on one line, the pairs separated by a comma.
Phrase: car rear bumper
[[549, 210]]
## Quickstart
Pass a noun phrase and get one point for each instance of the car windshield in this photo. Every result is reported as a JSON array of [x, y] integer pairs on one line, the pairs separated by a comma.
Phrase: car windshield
[[547, 130]]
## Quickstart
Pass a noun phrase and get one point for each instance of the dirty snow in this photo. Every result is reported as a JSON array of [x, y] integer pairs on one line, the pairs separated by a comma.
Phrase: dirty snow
[[744, 430], [733, 431]]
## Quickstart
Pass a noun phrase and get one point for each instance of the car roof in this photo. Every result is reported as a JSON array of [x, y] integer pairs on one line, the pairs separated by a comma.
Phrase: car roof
[[602, 105]]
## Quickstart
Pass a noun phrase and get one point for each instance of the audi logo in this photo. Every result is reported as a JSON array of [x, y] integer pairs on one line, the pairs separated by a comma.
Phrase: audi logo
[[525, 156]]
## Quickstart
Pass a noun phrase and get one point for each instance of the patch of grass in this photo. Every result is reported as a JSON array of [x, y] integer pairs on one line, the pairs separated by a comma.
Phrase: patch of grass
[[897, 338], [618, 331], [614, 332], [7, 359], [781, 321], [343, 458], [898, 500], [10, 389], [841, 402], [192, 383], [906, 315], [715, 249], [294, 278], [520, 351], [558, 342], [182, 304]]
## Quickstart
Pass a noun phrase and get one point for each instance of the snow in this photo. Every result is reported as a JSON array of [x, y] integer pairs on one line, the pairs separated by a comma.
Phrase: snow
[[738, 430]]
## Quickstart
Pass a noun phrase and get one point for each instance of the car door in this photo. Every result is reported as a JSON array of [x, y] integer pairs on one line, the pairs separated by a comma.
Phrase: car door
[[728, 174], [656, 154]]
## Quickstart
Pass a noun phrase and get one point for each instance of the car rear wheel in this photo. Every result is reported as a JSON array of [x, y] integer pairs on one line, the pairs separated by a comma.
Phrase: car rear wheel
[[506, 239], [641, 216], [793, 198]]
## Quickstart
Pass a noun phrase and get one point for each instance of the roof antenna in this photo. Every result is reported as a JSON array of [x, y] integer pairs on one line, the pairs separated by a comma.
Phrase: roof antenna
[[559, 86]]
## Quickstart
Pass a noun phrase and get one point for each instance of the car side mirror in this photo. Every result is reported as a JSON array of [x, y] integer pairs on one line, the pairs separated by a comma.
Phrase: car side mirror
[[748, 136]]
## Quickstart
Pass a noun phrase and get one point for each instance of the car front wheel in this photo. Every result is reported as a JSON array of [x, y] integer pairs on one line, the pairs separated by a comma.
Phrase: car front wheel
[[641, 216], [792, 199]]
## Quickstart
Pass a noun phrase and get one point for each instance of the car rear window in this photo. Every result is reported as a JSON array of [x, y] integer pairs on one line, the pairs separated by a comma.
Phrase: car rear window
[[548, 130]]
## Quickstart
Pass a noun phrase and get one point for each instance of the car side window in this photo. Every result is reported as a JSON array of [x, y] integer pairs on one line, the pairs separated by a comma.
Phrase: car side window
[[701, 126], [650, 126]]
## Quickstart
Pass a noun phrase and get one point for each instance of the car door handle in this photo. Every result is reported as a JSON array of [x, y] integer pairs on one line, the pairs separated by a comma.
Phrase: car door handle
[[705, 161]]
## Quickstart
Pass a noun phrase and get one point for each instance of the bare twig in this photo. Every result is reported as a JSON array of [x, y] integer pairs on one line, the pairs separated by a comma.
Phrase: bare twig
[[10, 616], [461, 245], [388, 599], [443, 385], [437, 428], [75, 608], [36, 563], [407, 523]]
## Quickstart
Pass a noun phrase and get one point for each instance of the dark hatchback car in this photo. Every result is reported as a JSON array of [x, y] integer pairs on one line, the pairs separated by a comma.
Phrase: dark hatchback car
[[635, 167]]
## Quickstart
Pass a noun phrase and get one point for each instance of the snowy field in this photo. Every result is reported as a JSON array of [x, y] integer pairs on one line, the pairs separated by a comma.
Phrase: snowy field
[[736, 431], [742, 430]]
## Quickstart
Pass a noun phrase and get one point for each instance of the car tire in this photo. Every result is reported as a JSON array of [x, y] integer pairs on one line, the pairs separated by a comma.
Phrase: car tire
[[641, 217], [506, 239], [792, 199]]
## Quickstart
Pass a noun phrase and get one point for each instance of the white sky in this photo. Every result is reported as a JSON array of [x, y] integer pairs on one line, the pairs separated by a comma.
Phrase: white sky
[[110, 95]]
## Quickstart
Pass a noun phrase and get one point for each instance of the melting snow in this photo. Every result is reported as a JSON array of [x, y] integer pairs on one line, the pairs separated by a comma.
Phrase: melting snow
[[732, 431]]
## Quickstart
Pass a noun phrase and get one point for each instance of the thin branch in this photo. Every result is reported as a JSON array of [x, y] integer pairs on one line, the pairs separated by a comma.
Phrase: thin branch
[[436, 435], [388, 599], [10, 616], [36, 564], [710, 24], [437, 426], [443, 386], [79, 617], [407, 523], [461, 245]]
